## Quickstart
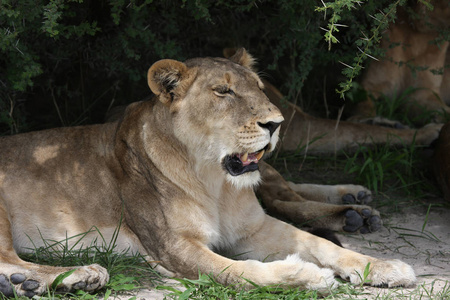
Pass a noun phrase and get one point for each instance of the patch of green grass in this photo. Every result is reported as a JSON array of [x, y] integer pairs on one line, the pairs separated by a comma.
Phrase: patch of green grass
[[394, 173], [398, 167], [393, 108], [396, 108], [128, 271], [206, 287]]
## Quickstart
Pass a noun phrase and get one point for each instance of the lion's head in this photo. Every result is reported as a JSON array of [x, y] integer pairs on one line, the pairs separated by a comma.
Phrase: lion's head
[[219, 112]]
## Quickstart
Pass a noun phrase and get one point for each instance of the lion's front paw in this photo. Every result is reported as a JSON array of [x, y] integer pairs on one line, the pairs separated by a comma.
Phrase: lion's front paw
[[387, 273], [324, 282], [366, 220], [87, 278], [294, 272], [21, 284]]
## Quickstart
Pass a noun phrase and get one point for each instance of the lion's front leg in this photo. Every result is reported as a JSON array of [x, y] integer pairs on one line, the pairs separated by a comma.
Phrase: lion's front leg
[[276, 240], [290, 271]]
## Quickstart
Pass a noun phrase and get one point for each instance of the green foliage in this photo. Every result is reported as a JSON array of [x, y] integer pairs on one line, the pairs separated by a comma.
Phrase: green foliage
[[337, 8], [376, 165], [365, 276], [206, 287], [65, 62], [366, 43], [391, 107], [59, 279]]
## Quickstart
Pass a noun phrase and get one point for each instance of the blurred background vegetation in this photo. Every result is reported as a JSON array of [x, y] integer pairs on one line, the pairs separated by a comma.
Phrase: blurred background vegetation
[[67, 62]]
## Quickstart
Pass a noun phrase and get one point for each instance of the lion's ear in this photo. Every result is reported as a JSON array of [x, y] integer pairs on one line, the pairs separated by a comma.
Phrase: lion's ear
[[165, 76], [242, 57]]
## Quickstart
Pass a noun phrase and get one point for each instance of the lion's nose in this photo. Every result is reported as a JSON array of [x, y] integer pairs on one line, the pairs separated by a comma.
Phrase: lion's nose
[[271, 126]]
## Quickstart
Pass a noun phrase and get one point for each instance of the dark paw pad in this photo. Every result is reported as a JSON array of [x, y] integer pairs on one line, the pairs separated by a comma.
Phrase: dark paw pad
[[398, 125], [363, 222], [362, 198], [348, 199], [79, 285], [374, 223], [17, 278], [353, 221], [5, 286], [30, 285], [30, 294]]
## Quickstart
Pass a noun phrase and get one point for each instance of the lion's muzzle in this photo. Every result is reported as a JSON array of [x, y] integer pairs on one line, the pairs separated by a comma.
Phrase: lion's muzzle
[[239, 163]]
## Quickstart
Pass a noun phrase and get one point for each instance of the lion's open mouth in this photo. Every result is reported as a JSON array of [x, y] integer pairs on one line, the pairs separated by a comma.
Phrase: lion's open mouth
[[240, 163]]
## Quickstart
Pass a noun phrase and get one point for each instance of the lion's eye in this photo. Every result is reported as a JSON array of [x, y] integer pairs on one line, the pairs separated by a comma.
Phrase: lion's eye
[[223, 90]]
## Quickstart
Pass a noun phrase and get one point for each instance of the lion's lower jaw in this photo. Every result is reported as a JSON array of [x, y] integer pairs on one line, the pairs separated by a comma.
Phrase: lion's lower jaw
[[246, 180]]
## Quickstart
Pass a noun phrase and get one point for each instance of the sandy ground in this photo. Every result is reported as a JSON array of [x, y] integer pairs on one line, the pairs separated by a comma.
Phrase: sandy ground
[[412, 236], [426, 248]]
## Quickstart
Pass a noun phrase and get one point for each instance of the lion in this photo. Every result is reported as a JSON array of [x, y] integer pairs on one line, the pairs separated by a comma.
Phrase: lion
[[415, 57], [178, 172]]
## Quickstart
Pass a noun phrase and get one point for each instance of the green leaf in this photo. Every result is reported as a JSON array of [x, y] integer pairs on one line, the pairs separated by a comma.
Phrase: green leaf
[[59, 279]]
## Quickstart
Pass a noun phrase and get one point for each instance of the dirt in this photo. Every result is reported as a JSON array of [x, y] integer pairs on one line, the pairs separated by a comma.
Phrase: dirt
[[417, 237]]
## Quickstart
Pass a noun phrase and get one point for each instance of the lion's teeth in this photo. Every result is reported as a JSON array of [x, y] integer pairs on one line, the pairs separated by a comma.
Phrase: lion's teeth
[[244, 157], [259, 155]]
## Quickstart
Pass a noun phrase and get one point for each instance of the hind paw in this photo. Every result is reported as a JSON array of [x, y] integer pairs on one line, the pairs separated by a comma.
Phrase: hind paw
[[362, 197], [365, 221]]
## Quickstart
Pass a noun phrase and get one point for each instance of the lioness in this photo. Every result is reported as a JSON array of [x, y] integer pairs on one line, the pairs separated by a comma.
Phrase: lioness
[[180, 171], [415, 57]]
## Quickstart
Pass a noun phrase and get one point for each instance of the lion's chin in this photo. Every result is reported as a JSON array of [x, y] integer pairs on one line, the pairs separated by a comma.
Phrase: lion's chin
[[246, 180]]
